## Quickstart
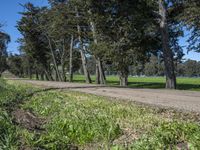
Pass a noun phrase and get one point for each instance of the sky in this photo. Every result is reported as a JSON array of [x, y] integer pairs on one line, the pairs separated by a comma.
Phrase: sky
[[9, 15]]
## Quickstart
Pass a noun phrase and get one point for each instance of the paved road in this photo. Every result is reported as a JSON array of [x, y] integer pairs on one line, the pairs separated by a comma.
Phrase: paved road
[[181, 100]]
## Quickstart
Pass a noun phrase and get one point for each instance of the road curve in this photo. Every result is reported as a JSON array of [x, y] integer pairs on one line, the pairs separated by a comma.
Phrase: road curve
[[177, 99]]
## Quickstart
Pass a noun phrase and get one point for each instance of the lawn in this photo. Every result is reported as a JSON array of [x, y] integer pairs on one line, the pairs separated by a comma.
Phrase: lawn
[[183, 83], [76, 120]]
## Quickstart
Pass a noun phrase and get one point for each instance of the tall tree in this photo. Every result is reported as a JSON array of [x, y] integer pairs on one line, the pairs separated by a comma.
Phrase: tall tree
[[167, 52], [4, 40], [190, 17]]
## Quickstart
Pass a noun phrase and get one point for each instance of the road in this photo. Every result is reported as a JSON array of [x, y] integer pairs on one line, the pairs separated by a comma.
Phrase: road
[[176, 99]]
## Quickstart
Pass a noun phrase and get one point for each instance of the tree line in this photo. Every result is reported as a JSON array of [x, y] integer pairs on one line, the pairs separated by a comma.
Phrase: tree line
[[59, 39], [155, 67]]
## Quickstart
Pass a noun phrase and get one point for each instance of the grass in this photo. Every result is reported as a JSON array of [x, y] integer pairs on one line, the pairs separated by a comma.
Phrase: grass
[[183, 83], [91, 122]]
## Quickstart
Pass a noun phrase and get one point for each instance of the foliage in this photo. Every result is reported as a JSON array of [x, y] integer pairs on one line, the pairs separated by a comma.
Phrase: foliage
[[190, 18], [120, 34], [170, 135], [8, 139], [4, 40], [89, 121]]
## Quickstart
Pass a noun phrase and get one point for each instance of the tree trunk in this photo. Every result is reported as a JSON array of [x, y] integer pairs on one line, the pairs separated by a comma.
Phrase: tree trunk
[[54, 60], [63, 62], [101, 73], [47, 78], [71, 59], [97, 73], [37, 75], [83, 58], [123, 80], [167, 52], [30, 72], [100, 76], [48, 75], [42, 76], [85, 70]]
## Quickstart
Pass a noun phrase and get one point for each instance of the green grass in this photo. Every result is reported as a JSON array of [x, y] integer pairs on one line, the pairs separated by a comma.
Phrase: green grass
[[149, 82], [89, 121]]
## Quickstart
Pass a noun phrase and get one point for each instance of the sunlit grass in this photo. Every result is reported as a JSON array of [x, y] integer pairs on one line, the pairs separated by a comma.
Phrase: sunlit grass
[[183, 83], [90, 121]]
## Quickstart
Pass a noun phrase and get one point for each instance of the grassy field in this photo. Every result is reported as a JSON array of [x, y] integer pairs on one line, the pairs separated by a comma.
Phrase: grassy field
[[67, 120], [150, 82]]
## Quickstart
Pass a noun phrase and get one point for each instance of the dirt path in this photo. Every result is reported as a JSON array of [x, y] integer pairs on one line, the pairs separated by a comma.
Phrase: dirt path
[[181, 100]]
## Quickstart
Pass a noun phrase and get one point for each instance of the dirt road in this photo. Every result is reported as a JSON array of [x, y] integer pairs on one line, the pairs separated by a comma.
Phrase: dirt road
[[181, 100]]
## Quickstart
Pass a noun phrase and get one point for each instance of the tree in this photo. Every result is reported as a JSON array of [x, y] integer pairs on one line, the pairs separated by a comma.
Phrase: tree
[[4, 40], [190, 19], [167, 52], [33, 43], [191, 68], [169, 30], [154, 67], [122, 27], [16, 65]]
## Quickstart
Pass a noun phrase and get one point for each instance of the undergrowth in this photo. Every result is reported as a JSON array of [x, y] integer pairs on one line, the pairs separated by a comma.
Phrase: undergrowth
[[91, 122]]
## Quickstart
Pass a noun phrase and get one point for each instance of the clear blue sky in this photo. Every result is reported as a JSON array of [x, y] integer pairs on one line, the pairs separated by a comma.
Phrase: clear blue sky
[[9, 15]]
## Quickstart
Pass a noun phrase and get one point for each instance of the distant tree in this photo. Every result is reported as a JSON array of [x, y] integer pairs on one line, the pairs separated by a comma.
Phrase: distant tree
[[16, 67], [190, 17], [33, 43], [154, 67], [4, 40], [191, 68]]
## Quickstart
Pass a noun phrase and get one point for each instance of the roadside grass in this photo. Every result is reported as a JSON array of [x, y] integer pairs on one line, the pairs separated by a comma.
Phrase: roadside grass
[[92, 122], [183, 83]]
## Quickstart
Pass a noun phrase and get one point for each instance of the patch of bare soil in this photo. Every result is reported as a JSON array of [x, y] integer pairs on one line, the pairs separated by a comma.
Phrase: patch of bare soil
[[182, 146], [27, 120], [127, 138]]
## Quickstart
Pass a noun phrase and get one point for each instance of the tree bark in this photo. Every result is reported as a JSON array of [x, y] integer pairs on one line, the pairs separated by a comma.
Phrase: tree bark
[[100, 76], [37, 75], [123, 80], [101, 72], [42, 76], [83, 58], [167, 52], [63, 62], [48, 75], [30, 72], [97, 73], [54, 60], [85, 70], [71, 59]]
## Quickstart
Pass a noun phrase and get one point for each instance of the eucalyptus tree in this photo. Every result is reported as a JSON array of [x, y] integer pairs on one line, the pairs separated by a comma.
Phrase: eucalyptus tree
[[4, 40]]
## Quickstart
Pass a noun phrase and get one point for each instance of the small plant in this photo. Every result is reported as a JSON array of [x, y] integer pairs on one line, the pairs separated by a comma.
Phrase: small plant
[[86, 121], [171, 135]]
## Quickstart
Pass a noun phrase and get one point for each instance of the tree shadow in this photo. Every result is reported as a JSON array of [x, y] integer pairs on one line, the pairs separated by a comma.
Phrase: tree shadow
[[156, 85]]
